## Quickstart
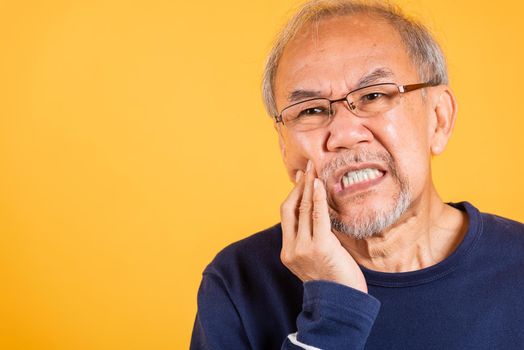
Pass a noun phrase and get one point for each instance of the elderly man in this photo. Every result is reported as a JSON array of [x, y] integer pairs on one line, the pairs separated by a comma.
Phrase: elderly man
[[367, 255]]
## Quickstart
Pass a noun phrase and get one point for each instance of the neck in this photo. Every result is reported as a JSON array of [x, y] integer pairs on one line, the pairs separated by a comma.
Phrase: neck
[[425, 235]]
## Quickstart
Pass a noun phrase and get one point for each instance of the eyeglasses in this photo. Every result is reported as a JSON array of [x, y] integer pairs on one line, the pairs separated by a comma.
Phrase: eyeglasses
[[364, 102]]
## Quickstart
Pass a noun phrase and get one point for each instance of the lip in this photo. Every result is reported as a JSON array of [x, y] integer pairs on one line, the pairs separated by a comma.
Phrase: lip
[[336, 179]]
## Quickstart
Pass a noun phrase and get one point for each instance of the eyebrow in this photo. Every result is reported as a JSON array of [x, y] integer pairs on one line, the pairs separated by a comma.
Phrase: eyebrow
[[298, 95], [374, 77], [369, 79]]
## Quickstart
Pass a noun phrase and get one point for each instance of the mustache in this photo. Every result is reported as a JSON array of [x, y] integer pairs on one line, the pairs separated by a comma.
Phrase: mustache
[[353, 157]]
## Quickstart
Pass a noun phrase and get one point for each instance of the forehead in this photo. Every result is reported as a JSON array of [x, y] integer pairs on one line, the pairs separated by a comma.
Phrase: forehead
[[332, 55]]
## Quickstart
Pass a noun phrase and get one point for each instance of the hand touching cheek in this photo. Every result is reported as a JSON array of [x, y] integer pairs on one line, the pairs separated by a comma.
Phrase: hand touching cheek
[[309, 248]]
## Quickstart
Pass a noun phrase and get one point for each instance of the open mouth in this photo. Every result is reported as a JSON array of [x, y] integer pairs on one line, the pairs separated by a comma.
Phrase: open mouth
[[356, 177], [360, 178]]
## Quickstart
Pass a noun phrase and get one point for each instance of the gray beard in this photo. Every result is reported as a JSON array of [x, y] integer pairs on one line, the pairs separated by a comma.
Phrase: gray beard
[[370, 223]]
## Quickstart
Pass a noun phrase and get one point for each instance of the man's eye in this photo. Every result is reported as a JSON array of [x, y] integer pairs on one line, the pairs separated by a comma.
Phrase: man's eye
[[313, 111], [373, 96]]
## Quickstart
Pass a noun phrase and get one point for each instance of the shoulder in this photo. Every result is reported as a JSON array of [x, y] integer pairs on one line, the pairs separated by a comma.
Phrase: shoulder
[[504, 237], [500, 240], [261, 245], [503, 225], [502, 228], [260, 251], [492, 225], [252, 267]]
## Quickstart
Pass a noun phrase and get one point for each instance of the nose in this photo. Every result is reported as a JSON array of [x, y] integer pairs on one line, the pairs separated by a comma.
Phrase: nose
[[346, 130]]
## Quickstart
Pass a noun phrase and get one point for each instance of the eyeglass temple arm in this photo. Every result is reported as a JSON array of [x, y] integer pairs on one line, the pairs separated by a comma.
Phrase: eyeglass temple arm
[[411, 87]]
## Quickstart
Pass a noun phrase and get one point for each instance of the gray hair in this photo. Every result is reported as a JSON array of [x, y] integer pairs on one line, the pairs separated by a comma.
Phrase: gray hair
[[422, 48]]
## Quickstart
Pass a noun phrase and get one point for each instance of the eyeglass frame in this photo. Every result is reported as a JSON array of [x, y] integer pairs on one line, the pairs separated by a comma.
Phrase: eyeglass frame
[[401, 89]]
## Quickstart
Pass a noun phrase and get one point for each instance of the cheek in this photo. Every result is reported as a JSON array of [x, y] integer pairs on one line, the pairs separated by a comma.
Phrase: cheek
[[299, 148], [407, 128], [406, 140]]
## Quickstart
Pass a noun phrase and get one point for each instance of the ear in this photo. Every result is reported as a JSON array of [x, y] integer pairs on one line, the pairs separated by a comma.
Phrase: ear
[[445, 113]]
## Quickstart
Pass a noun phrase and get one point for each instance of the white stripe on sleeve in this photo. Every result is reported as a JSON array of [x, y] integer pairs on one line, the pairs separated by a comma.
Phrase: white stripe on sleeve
[[293, 339]]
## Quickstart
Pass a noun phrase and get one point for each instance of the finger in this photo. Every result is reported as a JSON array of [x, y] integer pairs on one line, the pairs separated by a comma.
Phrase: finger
[[321, 220], [306, 205], [288, 211]]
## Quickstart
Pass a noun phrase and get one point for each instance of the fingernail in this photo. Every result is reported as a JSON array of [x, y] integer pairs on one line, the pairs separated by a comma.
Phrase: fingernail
[[298, 175], [309, 165], [315, 183]]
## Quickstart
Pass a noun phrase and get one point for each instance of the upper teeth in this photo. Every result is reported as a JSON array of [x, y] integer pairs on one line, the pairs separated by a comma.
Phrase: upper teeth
[[359, 176]]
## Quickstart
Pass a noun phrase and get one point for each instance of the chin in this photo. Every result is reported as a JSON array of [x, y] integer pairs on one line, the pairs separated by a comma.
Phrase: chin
[[363, 219]]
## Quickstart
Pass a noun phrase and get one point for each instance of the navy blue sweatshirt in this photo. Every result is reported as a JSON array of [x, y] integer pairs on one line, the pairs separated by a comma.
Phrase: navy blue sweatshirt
[[474, 299]]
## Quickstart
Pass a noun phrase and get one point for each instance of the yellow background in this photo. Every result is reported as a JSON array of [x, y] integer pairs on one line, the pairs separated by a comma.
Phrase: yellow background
[[134, 146]]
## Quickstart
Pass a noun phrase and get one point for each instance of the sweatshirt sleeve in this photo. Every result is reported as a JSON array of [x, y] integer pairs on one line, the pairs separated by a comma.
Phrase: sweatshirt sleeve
[[333, 316]]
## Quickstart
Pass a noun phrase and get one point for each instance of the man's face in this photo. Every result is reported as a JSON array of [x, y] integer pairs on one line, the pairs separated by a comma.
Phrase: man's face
[[329, 60]]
